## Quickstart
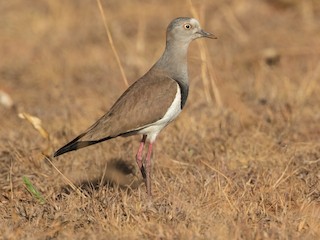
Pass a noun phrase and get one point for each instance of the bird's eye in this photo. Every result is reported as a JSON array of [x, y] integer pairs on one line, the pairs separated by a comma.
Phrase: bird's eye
[[187, 26]]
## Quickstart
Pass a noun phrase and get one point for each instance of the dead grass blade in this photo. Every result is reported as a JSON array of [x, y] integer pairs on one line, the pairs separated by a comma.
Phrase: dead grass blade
[[66, 180], [112, 44], [36, 124], [280, 179], [208, 81], [103, 175], [217, 171], [229, 202], [223, 190]]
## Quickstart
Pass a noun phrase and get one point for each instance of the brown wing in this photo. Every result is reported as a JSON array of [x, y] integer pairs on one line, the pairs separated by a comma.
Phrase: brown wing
[[144, 102]]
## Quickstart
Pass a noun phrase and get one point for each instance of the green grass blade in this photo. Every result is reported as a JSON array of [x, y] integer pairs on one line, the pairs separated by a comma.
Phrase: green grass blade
[[34, 192]]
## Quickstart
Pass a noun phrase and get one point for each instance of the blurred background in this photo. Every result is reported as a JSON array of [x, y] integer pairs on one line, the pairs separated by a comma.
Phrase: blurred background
[[253, 103], [54, 54], [57, 64]]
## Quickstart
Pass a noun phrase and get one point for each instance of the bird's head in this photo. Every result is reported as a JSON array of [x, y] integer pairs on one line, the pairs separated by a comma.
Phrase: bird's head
[[185, 29]]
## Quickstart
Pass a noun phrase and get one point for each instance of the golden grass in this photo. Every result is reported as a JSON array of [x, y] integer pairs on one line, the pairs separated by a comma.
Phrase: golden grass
[[111, 43], [248, 168]]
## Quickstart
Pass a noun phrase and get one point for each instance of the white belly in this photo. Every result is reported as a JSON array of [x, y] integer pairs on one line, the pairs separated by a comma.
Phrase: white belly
[[173, 111]]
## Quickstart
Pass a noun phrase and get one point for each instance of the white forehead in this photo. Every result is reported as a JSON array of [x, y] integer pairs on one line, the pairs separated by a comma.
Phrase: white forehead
[[194, 22]]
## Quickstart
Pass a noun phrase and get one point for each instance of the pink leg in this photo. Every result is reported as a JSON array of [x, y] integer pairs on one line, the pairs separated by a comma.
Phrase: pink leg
[[139, 156], [148, 169]]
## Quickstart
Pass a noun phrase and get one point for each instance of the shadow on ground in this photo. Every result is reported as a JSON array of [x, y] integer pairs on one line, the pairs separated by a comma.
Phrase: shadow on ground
[[118, 173]]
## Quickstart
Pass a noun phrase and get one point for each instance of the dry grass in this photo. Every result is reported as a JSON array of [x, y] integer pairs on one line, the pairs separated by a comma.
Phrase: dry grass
[[248, 169]]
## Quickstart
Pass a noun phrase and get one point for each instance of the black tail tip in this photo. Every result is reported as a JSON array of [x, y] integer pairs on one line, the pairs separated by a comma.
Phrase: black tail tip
[[73, 146], [56, 154], [65, 149]]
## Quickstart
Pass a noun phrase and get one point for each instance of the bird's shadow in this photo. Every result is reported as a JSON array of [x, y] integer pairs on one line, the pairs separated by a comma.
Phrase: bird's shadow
[[117, 173]]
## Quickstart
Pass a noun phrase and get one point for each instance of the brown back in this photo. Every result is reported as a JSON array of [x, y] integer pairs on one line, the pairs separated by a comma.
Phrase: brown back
[[143, 103]]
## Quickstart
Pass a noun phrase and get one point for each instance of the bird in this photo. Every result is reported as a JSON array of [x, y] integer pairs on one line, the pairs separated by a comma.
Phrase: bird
[[151, 102]]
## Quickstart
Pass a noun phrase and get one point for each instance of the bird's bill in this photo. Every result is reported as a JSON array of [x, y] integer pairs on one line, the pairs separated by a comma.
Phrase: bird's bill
[[207, 34]]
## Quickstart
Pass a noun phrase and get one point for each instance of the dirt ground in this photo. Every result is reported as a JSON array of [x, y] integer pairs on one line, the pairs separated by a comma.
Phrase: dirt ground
[[242, 161]]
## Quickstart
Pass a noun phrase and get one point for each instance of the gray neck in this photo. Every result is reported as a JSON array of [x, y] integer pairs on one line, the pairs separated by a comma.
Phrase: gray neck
[[174, 61]]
